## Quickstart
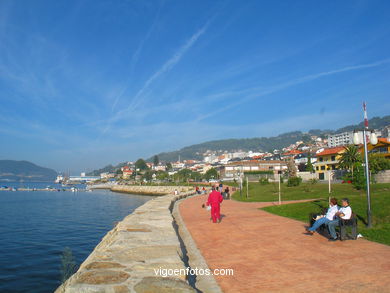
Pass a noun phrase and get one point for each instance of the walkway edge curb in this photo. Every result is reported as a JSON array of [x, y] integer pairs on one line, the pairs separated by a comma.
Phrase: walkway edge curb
[[204, 283]]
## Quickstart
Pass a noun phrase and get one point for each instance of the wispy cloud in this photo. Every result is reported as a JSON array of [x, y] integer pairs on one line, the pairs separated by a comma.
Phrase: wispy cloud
[[135, 58], [256, 92], [165, 68]]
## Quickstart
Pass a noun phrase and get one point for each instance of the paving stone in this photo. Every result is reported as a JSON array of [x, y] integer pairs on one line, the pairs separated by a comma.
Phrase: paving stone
[[138, 230], [121, 289], [147, 252], [102, 277], [103, 265], [162, 285]]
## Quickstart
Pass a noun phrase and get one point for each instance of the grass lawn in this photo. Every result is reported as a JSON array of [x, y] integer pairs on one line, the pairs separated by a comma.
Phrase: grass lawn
[[269, 192], [380, 204]]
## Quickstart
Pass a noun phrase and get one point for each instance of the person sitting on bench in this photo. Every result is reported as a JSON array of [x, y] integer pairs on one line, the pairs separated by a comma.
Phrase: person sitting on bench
[[345, 213], [324, 219]]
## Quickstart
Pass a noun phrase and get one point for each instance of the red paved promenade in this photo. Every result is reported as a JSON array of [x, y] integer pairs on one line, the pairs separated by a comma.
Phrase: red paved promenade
[[271, 254]]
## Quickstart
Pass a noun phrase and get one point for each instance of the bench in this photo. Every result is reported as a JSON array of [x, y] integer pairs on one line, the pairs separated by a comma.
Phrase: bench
[[344, 226]]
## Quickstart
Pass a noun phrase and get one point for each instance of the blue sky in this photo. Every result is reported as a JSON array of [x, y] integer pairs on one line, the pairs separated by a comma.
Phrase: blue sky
[[87, 83]]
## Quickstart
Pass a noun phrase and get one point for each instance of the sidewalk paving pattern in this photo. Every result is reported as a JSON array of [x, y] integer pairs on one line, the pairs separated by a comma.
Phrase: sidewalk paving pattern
[[269, 253]]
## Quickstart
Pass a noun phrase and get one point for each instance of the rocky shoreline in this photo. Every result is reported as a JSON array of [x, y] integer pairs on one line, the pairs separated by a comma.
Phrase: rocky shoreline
[[128, 257]]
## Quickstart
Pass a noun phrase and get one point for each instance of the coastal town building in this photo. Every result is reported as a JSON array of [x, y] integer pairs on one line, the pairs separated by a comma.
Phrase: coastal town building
[[178, 165], [386, 131], [235, 169], [82, 178], [304, 158], [107, 175], [328, 160], [382, 148], [346, 138], [159, 167], [340, 139], [126, 172]]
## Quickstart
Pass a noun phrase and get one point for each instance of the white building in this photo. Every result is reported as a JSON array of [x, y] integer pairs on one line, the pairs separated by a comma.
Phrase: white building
[[340, 139], [345, 138]]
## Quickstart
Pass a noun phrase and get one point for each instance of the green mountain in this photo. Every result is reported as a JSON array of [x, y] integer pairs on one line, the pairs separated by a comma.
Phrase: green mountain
[[253, 144], [245, 144], [262, 143], [22, 170], [374, 123], [108, 169]]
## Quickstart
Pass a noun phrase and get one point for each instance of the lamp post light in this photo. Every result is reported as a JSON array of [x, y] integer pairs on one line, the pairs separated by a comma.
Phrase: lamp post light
[[373, 141], [241, 181]]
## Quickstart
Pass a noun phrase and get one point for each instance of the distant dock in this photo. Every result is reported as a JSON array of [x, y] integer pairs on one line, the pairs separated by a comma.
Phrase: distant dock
[[73, 189]]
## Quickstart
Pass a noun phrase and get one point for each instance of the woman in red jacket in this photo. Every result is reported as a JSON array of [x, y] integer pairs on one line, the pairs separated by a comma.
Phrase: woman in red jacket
[[214, 200]]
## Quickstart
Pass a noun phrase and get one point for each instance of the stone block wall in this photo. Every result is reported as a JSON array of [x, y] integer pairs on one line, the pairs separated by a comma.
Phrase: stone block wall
[[126, 259], [382, 177]]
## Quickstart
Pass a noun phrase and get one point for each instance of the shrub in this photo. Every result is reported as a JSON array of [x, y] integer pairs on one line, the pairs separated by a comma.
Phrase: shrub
[[263, 181], [294, 181], [347, 177], [258, 173], [359, 178], [378, 163], [313, 181]]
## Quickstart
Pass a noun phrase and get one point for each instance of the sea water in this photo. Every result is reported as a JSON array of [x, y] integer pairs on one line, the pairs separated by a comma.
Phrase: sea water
[[36, 227]]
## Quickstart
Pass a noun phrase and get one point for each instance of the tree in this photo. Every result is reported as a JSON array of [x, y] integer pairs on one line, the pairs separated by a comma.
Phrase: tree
[[196, 176], [211, 174], [162, 175], [168, 166], [148, 175], [309, 166], [378, 163], [349, 158], [359, 178], [141, 164], [155, 160], [183, 175], [292, 169]]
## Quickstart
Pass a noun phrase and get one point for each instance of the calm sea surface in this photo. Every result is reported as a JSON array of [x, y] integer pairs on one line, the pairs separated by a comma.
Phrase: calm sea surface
[[36, 226]]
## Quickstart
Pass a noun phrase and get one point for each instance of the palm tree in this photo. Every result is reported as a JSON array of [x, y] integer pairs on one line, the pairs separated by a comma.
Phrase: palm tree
[[350, 157]]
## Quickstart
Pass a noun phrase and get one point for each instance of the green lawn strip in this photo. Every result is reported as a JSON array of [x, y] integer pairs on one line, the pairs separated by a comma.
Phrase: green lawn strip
[[380, 205], [269, 192]]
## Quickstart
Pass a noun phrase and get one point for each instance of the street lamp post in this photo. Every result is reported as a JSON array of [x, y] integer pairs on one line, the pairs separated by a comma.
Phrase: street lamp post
[[373, 141], [240, 181]]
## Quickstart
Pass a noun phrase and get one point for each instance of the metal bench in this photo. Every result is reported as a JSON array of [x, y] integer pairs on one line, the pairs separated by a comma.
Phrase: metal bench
[[344, 226]]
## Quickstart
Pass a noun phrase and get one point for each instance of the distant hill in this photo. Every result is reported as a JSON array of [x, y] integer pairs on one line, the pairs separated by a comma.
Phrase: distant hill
[[253, 144], [245, 144], [106, 169], [374, 123], [262, 143], [23, 170]]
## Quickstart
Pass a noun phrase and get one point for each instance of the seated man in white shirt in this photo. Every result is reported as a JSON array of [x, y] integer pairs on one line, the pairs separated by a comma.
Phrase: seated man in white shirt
[[345, 213]]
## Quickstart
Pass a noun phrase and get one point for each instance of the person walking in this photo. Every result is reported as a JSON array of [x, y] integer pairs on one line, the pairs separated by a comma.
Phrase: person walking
[[227, 192], [214, 200]]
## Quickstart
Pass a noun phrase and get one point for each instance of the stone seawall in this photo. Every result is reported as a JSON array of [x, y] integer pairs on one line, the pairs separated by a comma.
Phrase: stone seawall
[[150, 190], [127, 258]]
